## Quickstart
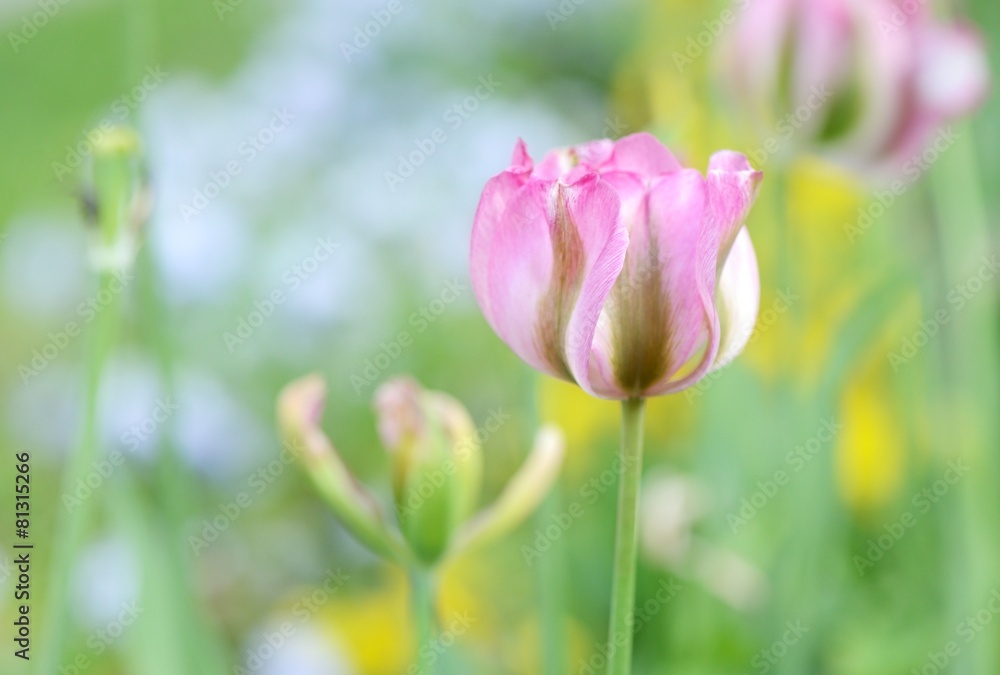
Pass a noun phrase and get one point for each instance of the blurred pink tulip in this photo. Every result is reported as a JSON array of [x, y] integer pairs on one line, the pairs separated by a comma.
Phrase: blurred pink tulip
[[867, 82], [610, 265]]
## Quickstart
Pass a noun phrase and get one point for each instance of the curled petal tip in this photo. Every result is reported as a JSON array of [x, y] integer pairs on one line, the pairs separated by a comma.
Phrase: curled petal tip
[[300, 407], [520, 159]]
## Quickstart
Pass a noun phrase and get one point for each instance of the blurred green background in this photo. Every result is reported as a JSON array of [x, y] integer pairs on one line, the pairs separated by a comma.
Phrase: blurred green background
[[803, 507]]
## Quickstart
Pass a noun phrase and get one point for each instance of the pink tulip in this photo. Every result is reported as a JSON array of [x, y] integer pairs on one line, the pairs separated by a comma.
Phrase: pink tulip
[[610, 265], [867, 82]]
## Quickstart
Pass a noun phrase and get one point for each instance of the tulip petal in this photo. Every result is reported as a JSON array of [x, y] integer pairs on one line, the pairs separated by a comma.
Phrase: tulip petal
[[667, 310], [954, 73], [732, 190], [644, 154], [300, 407], [596, 209], [551, 262], [523, 493], [731, 187], [737, 299], [520, 161], [496, 195]]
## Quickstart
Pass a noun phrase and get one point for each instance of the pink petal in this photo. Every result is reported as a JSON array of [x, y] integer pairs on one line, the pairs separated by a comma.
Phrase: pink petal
[[731, 187], [732, 190], [595, 208], [643, 154], [594, 154], [886, 50], [758, 45], [954, 73], [663, 305], [555, 164], [520, 160], [632, 193], [492, 204], [737, 299], [825, 61], [551, 263]]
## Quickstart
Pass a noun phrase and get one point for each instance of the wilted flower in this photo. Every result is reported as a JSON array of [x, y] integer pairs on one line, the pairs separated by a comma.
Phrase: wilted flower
[[610, 265], [437, 472], [866, 82]]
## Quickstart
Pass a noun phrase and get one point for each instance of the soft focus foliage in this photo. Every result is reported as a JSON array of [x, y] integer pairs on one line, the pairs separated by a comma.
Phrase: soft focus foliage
[[315, 172]]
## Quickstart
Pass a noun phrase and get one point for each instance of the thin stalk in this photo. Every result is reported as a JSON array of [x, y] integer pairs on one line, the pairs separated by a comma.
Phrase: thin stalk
[[425, 614], [173, 489], [551, 569], [962, 223], [626, 540], [552, 592], [72, 527]]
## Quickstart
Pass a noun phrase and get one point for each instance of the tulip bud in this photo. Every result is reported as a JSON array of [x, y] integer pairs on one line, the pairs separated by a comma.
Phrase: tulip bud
[[437, 462], [117, 199], [612, 266], [437, 471]]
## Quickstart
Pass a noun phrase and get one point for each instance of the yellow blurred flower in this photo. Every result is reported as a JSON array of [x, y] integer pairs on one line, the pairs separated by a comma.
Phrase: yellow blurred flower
[[375, 628], [871, 451]]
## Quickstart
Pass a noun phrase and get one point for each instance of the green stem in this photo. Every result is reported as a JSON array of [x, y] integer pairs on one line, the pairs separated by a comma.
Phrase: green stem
[[552, 592], [173, 489], [425, 615], [963, 226], [72, 528], [626, 540]]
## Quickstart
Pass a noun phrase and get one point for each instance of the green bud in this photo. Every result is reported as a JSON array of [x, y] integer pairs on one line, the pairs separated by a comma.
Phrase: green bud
[[437, 463]]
